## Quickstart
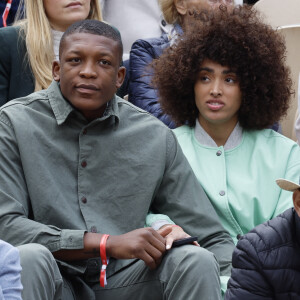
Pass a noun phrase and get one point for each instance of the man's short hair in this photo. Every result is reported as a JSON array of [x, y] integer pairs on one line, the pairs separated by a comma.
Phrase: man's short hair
[[93, 27]]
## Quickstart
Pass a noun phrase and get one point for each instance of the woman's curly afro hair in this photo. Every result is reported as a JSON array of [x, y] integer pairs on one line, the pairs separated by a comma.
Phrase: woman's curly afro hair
[[240, 40]]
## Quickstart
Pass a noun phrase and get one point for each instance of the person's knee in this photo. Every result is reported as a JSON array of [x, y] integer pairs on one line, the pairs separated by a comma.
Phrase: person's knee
[[206, 260], [195, 257], [35, 255], [40, 274]]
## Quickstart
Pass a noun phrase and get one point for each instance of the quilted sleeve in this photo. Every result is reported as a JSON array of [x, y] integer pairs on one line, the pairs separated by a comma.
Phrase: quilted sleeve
[[141, 93], [247, 280]]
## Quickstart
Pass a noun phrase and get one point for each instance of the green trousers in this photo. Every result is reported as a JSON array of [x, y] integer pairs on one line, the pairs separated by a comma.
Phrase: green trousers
[[187, 272]]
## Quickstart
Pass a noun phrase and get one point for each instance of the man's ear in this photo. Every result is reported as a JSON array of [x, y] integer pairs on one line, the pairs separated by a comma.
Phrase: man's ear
[[181, 6], [56, 70], [296, 200], [121, 77]]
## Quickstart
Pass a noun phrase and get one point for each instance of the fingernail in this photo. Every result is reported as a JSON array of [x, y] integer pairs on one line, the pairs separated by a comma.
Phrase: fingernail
[[168, 247]]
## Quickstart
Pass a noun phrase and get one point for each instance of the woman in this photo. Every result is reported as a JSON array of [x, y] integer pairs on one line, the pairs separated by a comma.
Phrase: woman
[[177, 13], [225, 83], [28, 48]]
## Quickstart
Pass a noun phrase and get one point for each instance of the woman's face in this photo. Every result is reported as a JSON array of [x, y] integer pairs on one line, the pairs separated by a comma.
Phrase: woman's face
[[63, 13], [217, 94]]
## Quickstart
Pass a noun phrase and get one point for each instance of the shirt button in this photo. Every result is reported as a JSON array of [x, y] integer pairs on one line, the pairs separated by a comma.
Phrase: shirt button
[[94, 229], [163, 23], [238, 236], [84, 164], [222, 193], [83, 200], [219, 152], [84, 131]]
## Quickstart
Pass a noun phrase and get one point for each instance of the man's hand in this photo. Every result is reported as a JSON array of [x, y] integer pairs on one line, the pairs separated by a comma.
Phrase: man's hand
[[176, 233], [145, 244]]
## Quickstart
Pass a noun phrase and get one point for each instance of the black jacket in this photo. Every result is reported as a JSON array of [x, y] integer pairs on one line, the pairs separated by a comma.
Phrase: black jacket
[[16, 79], [266, 261]]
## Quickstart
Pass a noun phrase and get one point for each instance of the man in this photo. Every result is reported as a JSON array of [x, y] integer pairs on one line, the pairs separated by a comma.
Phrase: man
[[78, 163], [266, 261]]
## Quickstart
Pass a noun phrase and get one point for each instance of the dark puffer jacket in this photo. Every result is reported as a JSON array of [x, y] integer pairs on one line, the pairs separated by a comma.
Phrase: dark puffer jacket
[[266, 261], [141, 93]]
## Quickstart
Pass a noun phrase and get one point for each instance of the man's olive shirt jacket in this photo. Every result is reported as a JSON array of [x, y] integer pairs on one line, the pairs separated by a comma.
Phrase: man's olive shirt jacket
[[62, 176]]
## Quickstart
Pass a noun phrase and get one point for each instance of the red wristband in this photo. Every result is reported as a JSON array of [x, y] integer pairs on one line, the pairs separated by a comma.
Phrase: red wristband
[[104, 259], [6, 11]]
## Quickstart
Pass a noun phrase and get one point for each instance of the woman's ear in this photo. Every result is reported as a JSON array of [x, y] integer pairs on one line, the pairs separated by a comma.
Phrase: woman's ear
[[296, 200], [181, 6]]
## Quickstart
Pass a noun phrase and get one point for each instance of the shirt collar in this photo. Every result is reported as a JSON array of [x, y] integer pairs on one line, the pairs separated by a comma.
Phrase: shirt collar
[[205, 139], [62, 108]]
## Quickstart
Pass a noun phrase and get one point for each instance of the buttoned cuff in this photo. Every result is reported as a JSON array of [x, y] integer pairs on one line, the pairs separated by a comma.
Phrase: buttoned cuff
[[72, 239]]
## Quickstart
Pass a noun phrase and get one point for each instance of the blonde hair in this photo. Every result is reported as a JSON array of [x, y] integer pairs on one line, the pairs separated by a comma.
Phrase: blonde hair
[[36, 30], [170, 13]]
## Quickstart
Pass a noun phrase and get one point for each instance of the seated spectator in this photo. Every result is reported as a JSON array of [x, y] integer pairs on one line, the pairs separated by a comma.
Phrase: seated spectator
[[10, 269], [29, 48], [177, 13], [266, 261], [81, 176], [224, 94]]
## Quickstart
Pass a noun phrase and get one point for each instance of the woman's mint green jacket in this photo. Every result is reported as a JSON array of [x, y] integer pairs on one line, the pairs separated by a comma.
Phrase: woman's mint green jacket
[[240, 182]]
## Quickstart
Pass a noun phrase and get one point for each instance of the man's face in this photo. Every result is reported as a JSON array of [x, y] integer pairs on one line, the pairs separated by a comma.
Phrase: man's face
[[89, 72]]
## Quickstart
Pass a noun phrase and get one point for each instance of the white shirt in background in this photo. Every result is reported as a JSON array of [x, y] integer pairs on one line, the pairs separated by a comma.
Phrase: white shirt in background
[[135, 19]]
